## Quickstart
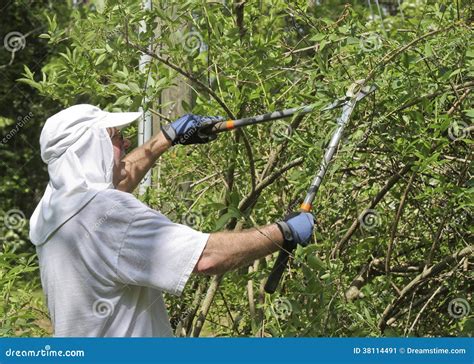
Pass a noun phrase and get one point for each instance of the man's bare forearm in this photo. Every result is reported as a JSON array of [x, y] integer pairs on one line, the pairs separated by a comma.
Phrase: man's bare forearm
[[227, 250], [140, 160]]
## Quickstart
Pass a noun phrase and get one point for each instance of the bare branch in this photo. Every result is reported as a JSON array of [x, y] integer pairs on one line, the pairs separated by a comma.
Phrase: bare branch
[[393, 232], [252, 198], [375, 200], [423, 277], [188, 75], [392, 55]]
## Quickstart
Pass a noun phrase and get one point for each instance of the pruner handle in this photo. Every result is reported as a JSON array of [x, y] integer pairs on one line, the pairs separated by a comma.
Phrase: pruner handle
[[279, 267], [282, 260], [206, 127], [210, 122]]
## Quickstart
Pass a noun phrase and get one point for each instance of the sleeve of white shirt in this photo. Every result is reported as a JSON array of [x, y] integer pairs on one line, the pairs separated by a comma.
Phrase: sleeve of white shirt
[[158, 253]]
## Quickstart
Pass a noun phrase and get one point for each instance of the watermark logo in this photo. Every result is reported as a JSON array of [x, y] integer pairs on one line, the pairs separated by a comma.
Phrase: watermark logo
[[370, 42], [459, 308], [46, 352], [369, 219], [111, 35], [191, 219], [458, 130], [282, 308], [103, 219], [21, 122], [102, 308], [192, 41], [14, 42], [14, 219]]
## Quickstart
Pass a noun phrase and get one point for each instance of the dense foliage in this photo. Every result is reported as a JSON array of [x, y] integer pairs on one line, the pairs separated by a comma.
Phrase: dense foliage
[[391, 251]]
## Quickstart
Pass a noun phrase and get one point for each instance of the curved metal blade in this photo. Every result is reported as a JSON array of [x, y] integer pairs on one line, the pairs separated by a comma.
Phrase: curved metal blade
[[364, 92]]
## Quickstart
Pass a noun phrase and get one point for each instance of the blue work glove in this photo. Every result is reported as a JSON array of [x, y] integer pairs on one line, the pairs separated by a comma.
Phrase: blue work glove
[[297, 228], [185, 130]]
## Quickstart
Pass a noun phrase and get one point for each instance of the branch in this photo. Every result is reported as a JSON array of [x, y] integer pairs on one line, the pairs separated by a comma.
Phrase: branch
[[246, 203], [251, 297], [375, 268], [239, 18], [274, 155], [377, 198], [206, 304], [248, 148], [423, 277], [437, 237], [393, 233], [417, 318], [391, 55], [251, 199], [459, 102], [188, 75], [413, 305], [364, 275], [430, 96]]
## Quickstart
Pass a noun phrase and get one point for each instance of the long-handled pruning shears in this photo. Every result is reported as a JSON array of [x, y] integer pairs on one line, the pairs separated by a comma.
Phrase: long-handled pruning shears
[[355, 93], [215, 127]]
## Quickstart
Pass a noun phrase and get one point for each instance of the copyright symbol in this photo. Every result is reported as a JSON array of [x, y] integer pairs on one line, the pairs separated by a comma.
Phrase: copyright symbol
[[402, 351]]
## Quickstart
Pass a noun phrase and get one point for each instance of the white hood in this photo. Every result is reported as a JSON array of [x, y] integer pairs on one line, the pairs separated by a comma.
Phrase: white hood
[[79, 153]]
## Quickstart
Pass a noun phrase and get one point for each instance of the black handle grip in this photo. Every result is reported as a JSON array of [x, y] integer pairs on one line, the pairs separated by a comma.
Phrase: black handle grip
[[278, 268]]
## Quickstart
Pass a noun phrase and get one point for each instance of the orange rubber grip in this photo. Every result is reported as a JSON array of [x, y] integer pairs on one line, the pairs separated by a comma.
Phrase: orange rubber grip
[[229, 124], [305, 207]]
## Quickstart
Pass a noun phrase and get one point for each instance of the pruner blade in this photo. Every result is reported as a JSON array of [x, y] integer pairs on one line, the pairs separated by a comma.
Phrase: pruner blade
[[364, 91], [359, 95]]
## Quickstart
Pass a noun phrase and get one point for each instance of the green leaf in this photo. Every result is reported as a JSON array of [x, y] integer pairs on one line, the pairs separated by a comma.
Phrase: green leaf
[[122, 86], [134, 87], [469, 113], [30, 82], [224, 219], [100, 59], [428, 50]]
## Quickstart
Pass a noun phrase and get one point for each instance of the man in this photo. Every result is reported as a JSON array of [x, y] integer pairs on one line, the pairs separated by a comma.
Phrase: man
[[104, 256]]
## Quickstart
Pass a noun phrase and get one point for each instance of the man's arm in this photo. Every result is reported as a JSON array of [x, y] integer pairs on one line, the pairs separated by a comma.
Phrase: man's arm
[[228, 250], [140, 160]]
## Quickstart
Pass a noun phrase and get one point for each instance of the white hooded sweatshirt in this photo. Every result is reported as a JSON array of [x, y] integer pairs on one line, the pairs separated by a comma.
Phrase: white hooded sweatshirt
[[79, 153], [104, 256]]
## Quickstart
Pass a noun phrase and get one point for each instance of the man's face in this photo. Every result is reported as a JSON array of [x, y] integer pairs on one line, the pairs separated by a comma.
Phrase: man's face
[[120, 145]]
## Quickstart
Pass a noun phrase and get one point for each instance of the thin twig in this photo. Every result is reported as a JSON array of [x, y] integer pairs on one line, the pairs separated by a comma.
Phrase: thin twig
[[188, 75], [248, 148], [375, 200], [423, 277], [393, 232], [417, 318], [391, 55], [251, 198], [430, 96]]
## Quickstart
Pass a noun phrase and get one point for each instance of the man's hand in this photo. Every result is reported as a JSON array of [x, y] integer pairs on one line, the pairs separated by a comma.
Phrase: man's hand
[[297, 228], [185, 130]]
